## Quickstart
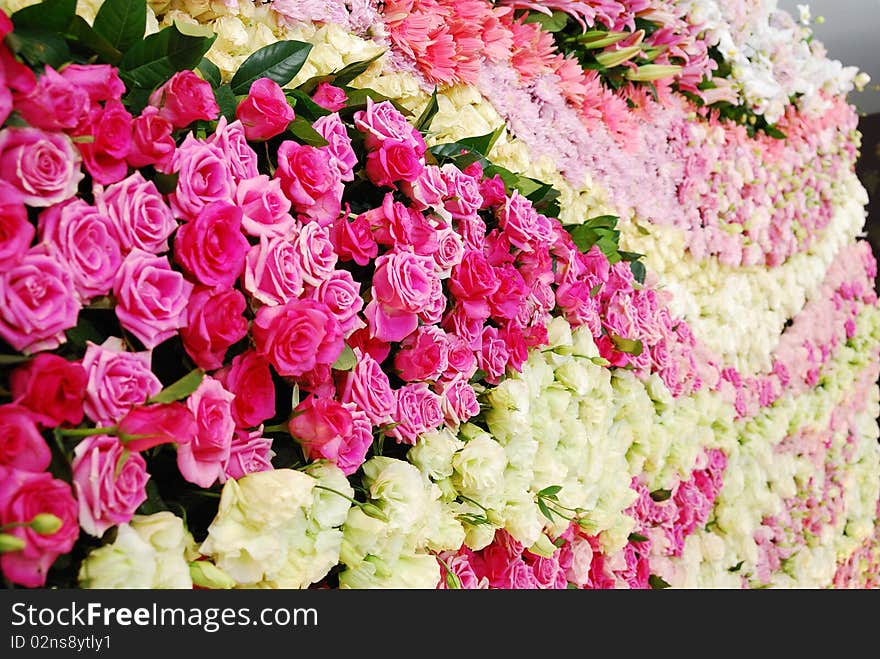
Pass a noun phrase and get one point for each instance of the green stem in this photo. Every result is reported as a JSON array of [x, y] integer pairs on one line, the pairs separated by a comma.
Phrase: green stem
[[476, 503], [279, 427], [88, 432], [344, 496]]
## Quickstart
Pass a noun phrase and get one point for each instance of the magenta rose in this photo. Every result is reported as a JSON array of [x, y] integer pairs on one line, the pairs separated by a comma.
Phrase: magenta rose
[[417, 410], [523, 224], [472, 282], [211, 247], [100, 81], [201, 460], [110, 130], [109, 483], [320, 425], [493, 355], [272, 271], [42, 168], [297, 336], [311, 180], [215, 320], [331, 128], [249, 453], [21, 444], [350, 455], [506, 300], [396, 225], [329, 97], [231, 140], [87, 241], [265, 209], [117, 381], [402, 287], [493, 192], [382, 121], [392, 162], [185, 98], [423, 355], [579, 305], [146, 426], [249, 378], [459, 401], [353, 241], [315, 253], [16, 232], [463, 198], [139, 213], [55, 103], [151, 298], [52, 388], [265, 112], [37, 301], [367, 386], [23, 496], [461, 358], [429, 189], [151, 141], [204, 176], [342, 295]]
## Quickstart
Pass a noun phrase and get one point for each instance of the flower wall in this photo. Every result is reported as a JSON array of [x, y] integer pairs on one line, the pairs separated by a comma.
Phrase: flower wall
[[433, 294]]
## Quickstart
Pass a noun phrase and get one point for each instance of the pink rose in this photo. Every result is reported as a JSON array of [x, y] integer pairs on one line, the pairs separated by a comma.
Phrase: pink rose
[[139, 213], [320, 425], [87, 241], [42, 168], [493, 355], [215, 320], [52, 388], [211, 247], [146, 426], [417, 410], [23, 496], [329, 97], [393, 161], [331, 128], [460, 566], [16, 232], [423, 355], [151, 143], [201, 461], [265, 209], [402, 287], [151, 298], [204, 176], [297, 336], [341, 293], [311, 180], [473, 232], [493, 192], [100, 81], [459, 322], [518, 341], [382, 121], [506, 300], [117, 380], [265, 112], [450, 250], [461, 358], [368, 344], [353, 241], [250, 379], [21, 444], [109, 483], [459, 401], [523, 224], [579, 305], [37, 301], [463, 192], [272, 272], [54, 104], [185, 98], [249, 453], [396, 225], [350, 455], [429, 189], [104, 156], [231, 140], [472, 282], [315, 253], [367, 386]]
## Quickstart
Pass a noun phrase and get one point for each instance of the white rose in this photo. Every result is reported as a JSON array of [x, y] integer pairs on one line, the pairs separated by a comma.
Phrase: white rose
[[479, 467], [174, 546], [130, 562], [329, 509], [433, 453]]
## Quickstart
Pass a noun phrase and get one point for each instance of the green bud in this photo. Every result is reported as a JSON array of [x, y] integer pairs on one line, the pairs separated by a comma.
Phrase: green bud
[[374, 511], [601, 38], [612, 58], [10, 542], [46, 523], [543, 547], [648, 72], [495, 517], [208, 575], [448, 489]]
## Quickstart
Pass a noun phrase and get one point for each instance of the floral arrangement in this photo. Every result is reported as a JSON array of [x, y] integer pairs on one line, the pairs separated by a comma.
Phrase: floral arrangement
[[432, 294]]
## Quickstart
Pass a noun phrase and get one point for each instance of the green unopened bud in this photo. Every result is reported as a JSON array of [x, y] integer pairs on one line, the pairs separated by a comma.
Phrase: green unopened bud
[[46, 523], [448, 489], [543, 547], [648, 72], [496, 518], [383, 570], [10, 542], [601, 38], [374, 511], [612, 58], [208, 575]]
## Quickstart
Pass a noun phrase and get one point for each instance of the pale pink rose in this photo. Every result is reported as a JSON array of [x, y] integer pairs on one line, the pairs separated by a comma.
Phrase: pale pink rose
[[311, 180], [272, 271], [493, 355], [367, 386], [331, 128], [100, 81], [249, 453], [55, 103], [417, 410], [329, 97], [341, 293], [428, 190], [423, 355], [42, 168], [463, 198], [450, 250], [458, 401], [249, 378], [215, 321], [231, 140], [151, 141], [185, 98], [460, 566], [382, 121], [265, 112], [211, 247], [151, 298], [353, 241], [139, 213], [204, 176], [116, 381], [88, 242], [315, 253], [265, 209], [402, 287], [202, 460], [21, 444], [523, 224], [38, 301], [16, 232], [109, 482]]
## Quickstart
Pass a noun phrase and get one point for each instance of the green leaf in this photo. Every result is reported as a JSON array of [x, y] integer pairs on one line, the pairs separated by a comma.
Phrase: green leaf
[[38, 47], [357, 100], [346, 361], [151, 62], [657, 583], [121, 22], [583, 237], [154, 502], [661, 495], [556, 22], [305, 105], [90, 40], [348, 73], [545, 511], [279, 61], [166, 183], [550, 491], [226, 101], [83, 332], [424, 121], [180, 389], [630, 346], [595, 290], [637, 537], [559, 542], [736, 568], [304, 132], [49, 16], [774, 132], [482, 144], [638, 270], [210, 72], [120, 463], [12, 360]]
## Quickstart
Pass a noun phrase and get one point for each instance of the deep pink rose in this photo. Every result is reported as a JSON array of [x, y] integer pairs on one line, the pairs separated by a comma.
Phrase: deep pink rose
[[331, 128], [396, 225], [402, 287], [109, 483], [272, 272], [429, 189], [249, 378], [506, 300], [201, 461], [146, 426], [266, 111], [417, 410], [152, 143], [265, 209], [100, 81], [211, 247], [353, 241], [55, 103], [297, 336], [87, 241], [42, 168], [37, 301], [579, 305], [493, 192], [117, 380], [518, 341], [423, 355], [21, 444], [472, 282], [493, 355], [315, 253], [318, 422], [151, 298], [329, 97], [215, 320], [350, 455], [523, 224], [450, 250], [367, 386], [139, 213], [382, 121], [104, 156], [23, 496], [231, 140], [463, 198], [393, 161], [341, 293], [311, 180], [52, 388], [16, 232], [249, 453], [185, 98], [368, 344], [459, 401], [204, 176]]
